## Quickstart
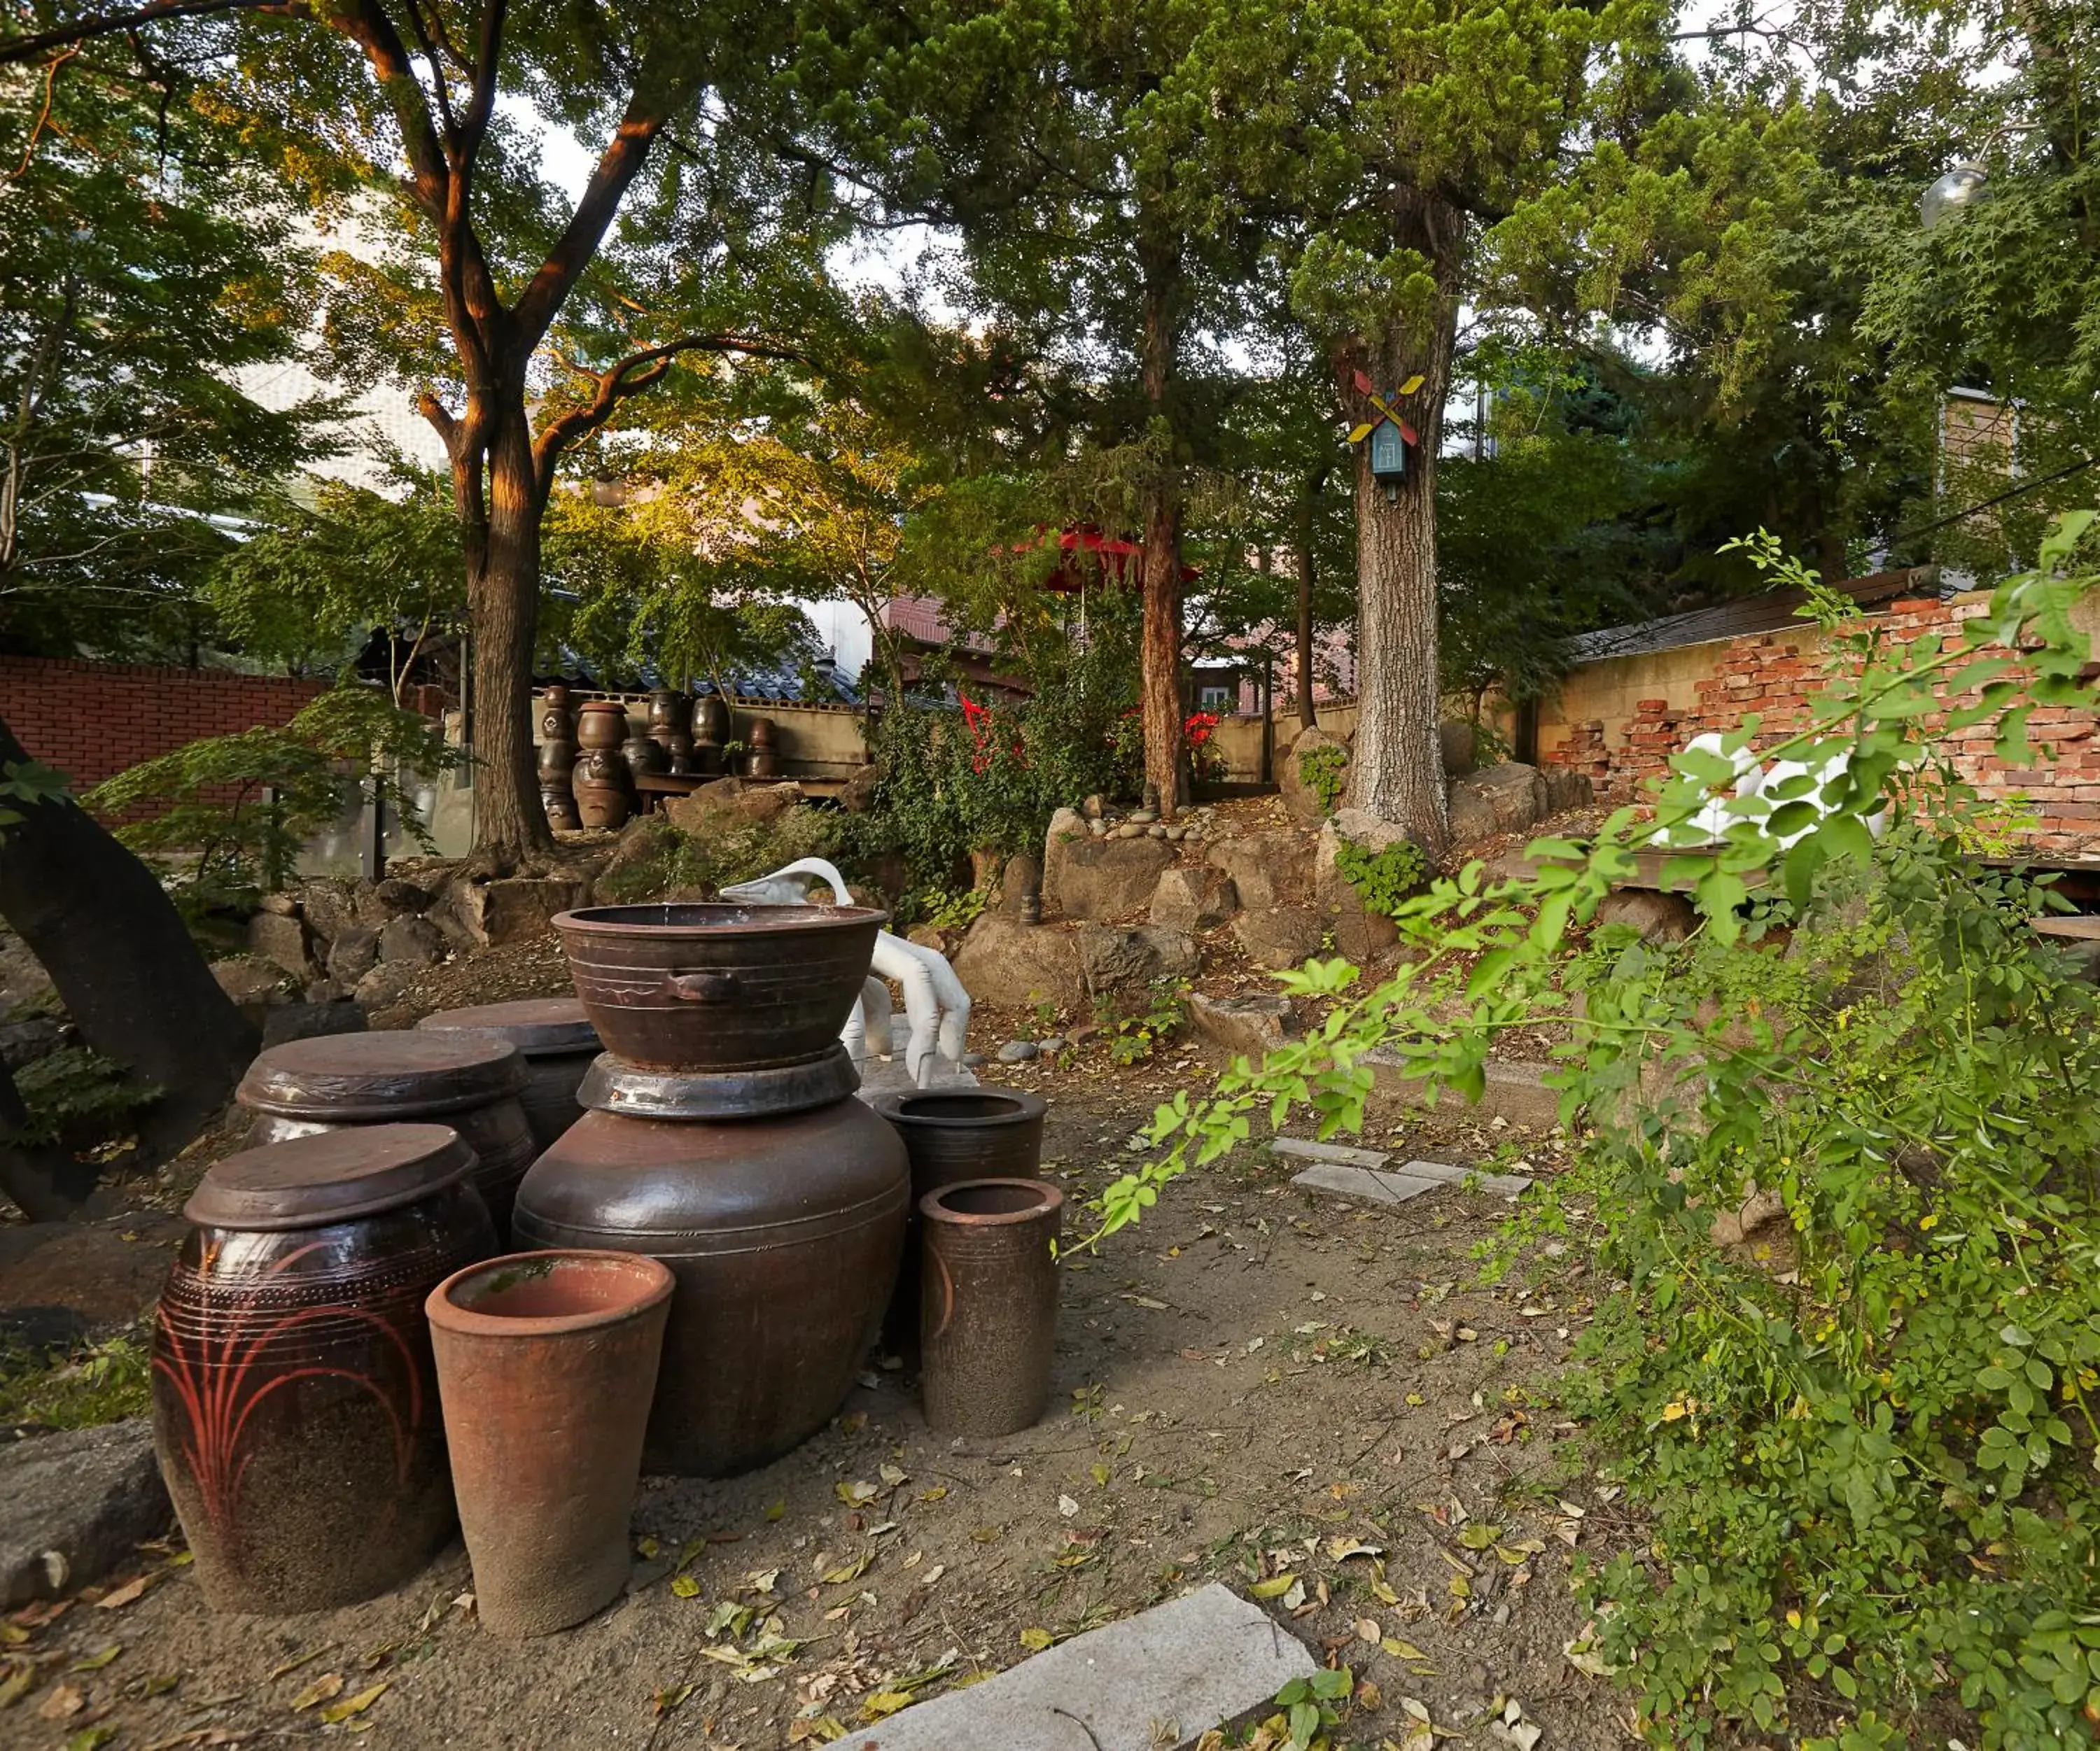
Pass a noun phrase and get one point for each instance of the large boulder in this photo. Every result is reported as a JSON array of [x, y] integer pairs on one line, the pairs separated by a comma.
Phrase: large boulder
[[281, 938], [1566, 788], [514, 909], [1102, 878], [1509, 798], [1280, 935], [731, 801], [309, 1020], [1113, 959], [1251, 1025], [410, 940], [1458, 745], [1299, 797], [253, 985], [1193, 897], [1661, 918], [353, 952], [1021, 876], [74, 1506], [1267, 869], [1010, 964], [1359, 932]]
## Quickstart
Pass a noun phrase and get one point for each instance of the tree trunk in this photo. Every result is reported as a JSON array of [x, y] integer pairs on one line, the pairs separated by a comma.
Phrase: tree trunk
[[503, 608], [130, 976], [1307, 717], [1160, 647], [1395, 767]]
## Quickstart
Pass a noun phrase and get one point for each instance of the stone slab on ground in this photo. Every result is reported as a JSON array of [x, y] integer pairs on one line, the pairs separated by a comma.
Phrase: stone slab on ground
[[75, 1505], [1515, 1091], [61, 1281], [1397, 1184], [1509, 1184], [1196, 1662]]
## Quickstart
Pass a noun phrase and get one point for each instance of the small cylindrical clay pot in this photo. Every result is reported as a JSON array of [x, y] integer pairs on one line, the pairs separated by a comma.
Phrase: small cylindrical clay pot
[[546, 1367], [951, 1134], [988, 1304]]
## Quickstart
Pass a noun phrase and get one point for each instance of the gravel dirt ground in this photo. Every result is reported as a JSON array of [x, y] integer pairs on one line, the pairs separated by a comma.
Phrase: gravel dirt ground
[[1316, 1403]]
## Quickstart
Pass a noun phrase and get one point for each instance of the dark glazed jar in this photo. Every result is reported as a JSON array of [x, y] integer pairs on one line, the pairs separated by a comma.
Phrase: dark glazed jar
[[601, 725], [555, 725], [601, 788], [295, 1401], [396, 1076], [712, 719], [644, 757], [704, 986], [951, 1134], [670, 712], [784, 1235], [556, 1040], [988, 1308]]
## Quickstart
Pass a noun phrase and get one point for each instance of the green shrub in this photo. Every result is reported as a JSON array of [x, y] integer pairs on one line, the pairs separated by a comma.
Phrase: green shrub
[[1865, 1440], [234, 811]]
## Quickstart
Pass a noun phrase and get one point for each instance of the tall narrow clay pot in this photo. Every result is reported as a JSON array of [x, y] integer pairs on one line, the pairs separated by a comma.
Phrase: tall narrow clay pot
[[988, 1306], [546, 1366], [951, 1134]]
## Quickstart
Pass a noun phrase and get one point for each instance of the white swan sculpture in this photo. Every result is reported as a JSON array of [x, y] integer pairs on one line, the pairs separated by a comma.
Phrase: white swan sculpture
[[1753, 779], [937, 1008]]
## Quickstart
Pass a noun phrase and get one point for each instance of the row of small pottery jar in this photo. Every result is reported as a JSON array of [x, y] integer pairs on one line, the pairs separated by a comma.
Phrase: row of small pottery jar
[[587, 764]]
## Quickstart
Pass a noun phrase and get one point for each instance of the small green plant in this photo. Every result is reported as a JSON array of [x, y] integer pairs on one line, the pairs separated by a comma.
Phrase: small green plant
[[1385, 879], [1310, 1702], [955, 911], [102, 1383], [2000, 828], [1323, 771], [1132, 1038], [72, 1093], [27, 781]]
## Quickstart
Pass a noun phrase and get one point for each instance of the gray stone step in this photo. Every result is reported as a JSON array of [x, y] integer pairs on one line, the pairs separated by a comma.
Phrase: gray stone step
[[1365, 1170], [75, 1505], [1151, 1682]]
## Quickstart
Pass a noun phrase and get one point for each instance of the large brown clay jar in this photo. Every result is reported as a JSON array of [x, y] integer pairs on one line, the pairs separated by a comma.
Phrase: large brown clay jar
[[784, 1235], [988, 1306], [295, 1405], [600, 787], [547, 1364], [708, 986], [396, 1076], [554, 1038], [952, 1135]]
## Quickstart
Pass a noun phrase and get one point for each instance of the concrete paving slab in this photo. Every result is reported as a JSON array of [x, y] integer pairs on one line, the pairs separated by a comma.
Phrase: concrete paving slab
[[1369, 1185], [1346, 1155], [1157, 1680]]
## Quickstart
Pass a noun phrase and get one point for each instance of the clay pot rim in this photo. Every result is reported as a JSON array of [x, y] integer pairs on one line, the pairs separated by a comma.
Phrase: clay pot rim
[[1027, 1108], [1044, 1197], [605, 921], [654, 1281]]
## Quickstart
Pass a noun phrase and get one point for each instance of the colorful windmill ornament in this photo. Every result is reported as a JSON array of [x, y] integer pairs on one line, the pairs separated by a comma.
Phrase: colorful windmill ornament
[[1390, 433]]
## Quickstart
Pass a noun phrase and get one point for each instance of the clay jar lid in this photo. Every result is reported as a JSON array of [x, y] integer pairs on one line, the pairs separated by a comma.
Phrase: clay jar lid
[[397, 1073], [332, 1176], [540, 1027]]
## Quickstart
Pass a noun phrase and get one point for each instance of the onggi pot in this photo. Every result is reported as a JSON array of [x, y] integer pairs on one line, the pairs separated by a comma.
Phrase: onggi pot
[[951, 1134], [547, 1364], [988, 1304], [395, 1076], [556, 1040], [295, 1408]]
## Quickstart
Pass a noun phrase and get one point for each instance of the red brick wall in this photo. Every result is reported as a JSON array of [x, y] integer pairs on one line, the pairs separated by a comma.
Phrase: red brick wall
[[1774, 674], [92, 720]]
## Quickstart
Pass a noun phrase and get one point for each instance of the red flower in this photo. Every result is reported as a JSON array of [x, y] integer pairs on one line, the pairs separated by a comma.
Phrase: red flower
[[1200, 728]]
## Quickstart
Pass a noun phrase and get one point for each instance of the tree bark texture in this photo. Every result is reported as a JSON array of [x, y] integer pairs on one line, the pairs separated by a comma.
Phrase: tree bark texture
[[1307, 716], [1395, 767], [129, 974], [1159, 568]]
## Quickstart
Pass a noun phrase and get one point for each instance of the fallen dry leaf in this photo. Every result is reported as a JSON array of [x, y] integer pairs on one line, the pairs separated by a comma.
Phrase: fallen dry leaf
[[326, 1688], [64, 1701], [339, 1712], [118, 1598]]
